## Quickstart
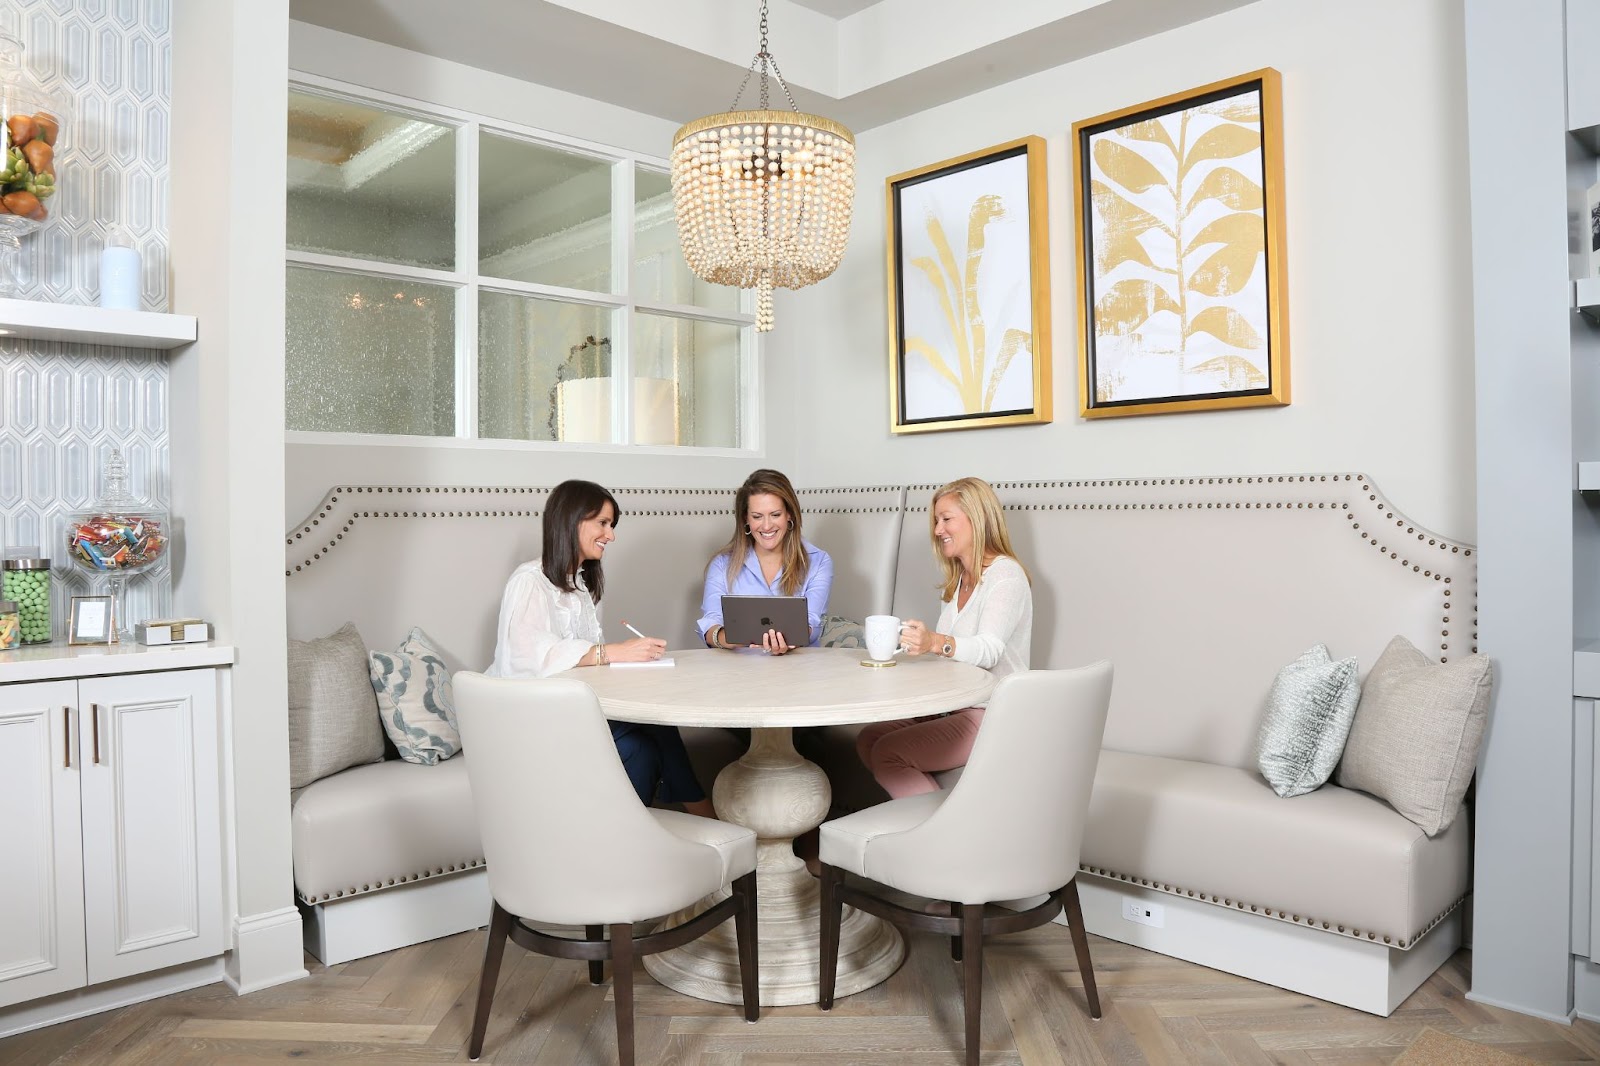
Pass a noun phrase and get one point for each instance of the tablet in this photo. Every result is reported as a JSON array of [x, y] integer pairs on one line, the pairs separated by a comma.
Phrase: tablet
[[746, 618]]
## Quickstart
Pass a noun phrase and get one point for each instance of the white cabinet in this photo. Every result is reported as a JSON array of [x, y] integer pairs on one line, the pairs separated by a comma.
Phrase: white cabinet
[[41, 861], [110, 828]]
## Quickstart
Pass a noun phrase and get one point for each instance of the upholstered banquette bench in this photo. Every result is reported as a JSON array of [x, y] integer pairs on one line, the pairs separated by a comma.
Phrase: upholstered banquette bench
[[1198, 590]]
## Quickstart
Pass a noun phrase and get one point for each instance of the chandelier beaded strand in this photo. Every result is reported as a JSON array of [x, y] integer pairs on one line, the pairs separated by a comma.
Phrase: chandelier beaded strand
[[763, 198]]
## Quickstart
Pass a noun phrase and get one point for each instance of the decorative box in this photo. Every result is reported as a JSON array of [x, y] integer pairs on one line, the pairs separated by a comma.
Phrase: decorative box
[[173, 631]]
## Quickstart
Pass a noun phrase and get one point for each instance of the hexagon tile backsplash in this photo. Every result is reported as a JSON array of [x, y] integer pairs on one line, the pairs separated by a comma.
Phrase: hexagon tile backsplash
[[63, 407]]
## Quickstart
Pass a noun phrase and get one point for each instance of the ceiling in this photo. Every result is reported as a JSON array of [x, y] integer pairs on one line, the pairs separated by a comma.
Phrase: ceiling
[[836, 9], [859, 62]]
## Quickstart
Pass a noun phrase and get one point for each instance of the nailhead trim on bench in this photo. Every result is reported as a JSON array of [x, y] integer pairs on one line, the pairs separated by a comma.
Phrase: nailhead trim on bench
[[375, 886], [1404, 943]]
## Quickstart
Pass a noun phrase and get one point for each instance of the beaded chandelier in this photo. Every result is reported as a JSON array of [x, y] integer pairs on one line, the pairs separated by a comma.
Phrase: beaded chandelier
[[763, 197]]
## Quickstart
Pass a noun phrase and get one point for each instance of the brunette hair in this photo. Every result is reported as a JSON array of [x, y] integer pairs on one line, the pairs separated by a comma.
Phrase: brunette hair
[[795, 560], [570, 504], [989, 534]]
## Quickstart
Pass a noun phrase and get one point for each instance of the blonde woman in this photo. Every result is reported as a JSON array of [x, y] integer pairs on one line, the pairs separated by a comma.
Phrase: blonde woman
[[987, 620], [766, 557]]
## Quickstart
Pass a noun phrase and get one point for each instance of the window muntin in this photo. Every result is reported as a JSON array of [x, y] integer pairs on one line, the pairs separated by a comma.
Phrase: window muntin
[[550, 282]]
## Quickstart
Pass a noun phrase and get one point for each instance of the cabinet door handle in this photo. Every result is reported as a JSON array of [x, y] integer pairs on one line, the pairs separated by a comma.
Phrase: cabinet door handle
[[94, 713], [66, 734]]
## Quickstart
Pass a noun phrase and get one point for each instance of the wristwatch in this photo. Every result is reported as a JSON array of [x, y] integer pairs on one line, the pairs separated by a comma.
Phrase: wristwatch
[[949, 648]]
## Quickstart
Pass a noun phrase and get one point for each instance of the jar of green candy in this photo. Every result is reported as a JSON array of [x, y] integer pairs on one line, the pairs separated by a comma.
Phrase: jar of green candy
[[26, 582]]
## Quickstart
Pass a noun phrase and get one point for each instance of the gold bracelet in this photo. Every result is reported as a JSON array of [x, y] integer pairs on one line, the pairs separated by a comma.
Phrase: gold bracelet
[[711, 636], [600, 655]]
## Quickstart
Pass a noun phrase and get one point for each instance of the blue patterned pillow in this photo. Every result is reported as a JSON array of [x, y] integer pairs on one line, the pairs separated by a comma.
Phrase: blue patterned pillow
[[839, 632], [415, 700]]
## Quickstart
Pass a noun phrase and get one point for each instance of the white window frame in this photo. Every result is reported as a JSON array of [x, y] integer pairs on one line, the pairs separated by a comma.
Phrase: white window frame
[[468, 284]]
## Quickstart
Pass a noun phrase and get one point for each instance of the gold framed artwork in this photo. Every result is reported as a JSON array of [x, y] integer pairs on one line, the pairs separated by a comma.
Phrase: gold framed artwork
[[969, 284], [1182, 299]]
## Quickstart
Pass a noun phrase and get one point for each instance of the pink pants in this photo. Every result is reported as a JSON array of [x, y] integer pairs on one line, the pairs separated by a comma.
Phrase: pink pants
[[905, 755]]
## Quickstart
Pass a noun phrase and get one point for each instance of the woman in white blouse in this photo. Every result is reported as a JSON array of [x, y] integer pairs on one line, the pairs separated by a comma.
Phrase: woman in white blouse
[[550, 622], [987, 620]]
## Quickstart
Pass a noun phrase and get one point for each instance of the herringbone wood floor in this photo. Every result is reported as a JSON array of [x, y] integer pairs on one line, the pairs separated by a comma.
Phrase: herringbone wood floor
[[414, 1005]]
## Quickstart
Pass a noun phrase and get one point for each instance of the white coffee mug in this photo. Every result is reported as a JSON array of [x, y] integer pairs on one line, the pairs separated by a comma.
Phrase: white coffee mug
[[882, 632]]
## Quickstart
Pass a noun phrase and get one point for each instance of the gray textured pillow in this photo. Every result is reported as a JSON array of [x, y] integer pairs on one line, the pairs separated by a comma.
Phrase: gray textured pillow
[[416, 701], [1416, 733], [1308, 717], [333, 714]]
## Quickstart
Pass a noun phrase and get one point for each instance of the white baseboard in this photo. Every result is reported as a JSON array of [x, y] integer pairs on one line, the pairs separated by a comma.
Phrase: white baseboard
[[1369, 977], [1549, 1016], [396, 917], [267, 951], [82, 1002]]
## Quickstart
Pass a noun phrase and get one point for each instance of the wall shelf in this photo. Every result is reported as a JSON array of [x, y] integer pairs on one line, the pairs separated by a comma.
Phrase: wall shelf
[[1586, 669], [38, 320], [1589, 136], [1586, 297]]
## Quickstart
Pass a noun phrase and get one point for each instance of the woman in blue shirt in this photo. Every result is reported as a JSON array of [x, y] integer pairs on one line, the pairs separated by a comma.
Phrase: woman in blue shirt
[[766, 557]]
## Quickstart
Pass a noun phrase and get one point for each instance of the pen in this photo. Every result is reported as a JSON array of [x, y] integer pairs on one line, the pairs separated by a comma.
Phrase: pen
[[634, 631]]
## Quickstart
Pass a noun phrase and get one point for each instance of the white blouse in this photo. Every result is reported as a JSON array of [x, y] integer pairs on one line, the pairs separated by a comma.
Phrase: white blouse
[[542, 630], [995, 629]]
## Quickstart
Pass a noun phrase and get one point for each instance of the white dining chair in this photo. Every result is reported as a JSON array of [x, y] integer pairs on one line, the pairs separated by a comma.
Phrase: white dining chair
[[1010, 829], [567, 842]]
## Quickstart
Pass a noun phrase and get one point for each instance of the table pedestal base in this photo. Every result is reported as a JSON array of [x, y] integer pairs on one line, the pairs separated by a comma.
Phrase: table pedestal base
[[775, 792]]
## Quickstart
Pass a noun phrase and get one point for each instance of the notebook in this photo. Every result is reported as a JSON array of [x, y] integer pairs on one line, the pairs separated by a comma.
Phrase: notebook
[[665, 660], [746, 618]]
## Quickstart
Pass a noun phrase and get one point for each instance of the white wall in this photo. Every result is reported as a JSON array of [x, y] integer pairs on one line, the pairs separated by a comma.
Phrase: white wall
[[311, 469], [1380, 339]]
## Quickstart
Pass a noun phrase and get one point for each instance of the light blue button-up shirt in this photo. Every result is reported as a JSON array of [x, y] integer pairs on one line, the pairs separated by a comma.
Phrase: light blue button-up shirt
[[749, 582]]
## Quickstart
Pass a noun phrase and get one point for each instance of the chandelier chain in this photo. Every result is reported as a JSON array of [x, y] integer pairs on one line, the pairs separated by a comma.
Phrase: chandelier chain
[[765, 62]]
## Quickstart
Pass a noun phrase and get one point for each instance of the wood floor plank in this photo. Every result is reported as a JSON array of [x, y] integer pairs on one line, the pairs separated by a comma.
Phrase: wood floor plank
[[414, 1006]]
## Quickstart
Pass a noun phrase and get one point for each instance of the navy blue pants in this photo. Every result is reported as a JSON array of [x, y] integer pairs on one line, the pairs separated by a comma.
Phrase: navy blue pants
[[652, 755]]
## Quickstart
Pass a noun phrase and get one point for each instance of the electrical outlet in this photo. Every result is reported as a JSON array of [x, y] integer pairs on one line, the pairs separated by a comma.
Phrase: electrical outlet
[[1152, 914]]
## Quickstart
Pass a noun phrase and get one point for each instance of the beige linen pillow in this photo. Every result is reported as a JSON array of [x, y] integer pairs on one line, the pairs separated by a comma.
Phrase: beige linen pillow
[[1415, 738], [333, 713]]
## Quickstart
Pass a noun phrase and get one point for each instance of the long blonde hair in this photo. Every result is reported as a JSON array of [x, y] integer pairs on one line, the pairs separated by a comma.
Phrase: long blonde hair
[[989, 534], [795, 560]]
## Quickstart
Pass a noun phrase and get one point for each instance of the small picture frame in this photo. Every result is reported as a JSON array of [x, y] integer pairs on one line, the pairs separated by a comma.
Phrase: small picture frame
[[91, 621]]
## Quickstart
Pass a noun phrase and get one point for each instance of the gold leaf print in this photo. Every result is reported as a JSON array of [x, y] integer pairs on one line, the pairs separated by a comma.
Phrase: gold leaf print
[[1118, 248], [1150, 130], [1226, 141], [1226, 272], [1126, 167], [1120, 215], [1129, 303], [1236, 228], [1230, 188], [1238, 373], [957, 293], [1225, 324]]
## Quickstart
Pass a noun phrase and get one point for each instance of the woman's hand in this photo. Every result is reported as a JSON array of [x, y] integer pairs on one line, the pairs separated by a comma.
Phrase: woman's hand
[[772, 640], [637, 650], [915, 637]]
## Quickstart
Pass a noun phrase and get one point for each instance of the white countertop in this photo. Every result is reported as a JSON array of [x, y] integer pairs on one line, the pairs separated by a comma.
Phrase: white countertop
[[58, 660]]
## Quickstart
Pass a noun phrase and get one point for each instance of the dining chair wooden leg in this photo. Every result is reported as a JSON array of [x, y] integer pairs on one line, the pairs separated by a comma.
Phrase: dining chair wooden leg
[[744, 930], [622, 985], [832, 912], [597, 967], [954, 910], [1080, 944], [494, 950], [972, 975]]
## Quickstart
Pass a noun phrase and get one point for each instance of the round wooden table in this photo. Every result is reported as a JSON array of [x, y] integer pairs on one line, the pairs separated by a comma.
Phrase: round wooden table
[[775, 792]]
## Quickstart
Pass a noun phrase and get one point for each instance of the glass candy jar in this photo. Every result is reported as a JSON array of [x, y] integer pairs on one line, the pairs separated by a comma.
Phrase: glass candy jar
[[25, 581], [10, 626], [119, 536], [31, 120]]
